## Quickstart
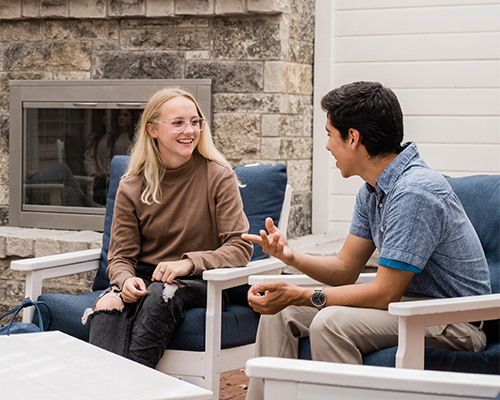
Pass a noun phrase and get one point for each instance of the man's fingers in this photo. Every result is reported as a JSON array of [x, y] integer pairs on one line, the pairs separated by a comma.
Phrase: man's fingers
[[251, 238]]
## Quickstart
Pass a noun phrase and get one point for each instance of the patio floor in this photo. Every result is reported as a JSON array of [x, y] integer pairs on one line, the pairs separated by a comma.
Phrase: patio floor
[[233, 385]]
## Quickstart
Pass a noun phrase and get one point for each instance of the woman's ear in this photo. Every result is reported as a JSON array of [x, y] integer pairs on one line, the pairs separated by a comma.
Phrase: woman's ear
[[151, 130]]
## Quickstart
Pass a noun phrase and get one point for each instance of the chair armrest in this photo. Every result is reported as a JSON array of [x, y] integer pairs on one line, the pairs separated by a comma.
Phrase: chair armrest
[[269, 265], [304, 379], [302, 280], [40, 268], [414, 316]]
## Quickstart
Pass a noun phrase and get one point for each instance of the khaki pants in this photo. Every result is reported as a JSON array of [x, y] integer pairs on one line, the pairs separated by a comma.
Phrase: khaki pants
[[344, 334]]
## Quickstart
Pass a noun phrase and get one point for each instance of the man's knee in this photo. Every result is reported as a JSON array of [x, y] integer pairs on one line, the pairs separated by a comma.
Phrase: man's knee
[[331, 320]]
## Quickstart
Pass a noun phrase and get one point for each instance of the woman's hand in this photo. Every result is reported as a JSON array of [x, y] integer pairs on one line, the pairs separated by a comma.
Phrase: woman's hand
[[167, 271], [133, 289]]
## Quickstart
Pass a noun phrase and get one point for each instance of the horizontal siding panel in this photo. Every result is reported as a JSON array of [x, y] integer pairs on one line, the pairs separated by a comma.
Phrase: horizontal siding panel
[[374, 4], [341, 207], [400, 21], [449, 101], [463, 130], [338, 229], [430, 47], [442, 74], [461, 158], [342, 186]]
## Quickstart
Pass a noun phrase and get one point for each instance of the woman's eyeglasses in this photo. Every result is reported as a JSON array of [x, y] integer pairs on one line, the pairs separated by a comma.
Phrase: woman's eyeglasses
[[179, 125]]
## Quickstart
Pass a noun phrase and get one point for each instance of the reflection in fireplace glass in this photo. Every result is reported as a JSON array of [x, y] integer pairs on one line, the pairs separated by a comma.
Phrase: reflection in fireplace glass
[[68, 153]]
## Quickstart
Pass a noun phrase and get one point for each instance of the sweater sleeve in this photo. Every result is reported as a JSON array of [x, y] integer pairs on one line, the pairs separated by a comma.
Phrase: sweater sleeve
[[231, 224], [124, 245]]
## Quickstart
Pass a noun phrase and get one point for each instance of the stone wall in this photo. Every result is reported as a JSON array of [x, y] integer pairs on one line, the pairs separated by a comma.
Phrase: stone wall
[[19, 243], [259, 54]]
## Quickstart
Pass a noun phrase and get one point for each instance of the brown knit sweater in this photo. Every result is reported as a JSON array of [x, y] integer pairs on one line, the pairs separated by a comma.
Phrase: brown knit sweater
[[200, 217]]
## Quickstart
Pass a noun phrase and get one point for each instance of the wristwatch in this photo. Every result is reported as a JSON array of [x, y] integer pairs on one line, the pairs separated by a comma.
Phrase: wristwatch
[[318, 298]]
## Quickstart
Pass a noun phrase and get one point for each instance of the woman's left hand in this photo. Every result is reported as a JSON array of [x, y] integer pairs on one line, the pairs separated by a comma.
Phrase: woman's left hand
[[167, 271]]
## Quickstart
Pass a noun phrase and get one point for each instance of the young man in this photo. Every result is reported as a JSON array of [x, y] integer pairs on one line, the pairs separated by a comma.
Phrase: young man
[[428, 247]]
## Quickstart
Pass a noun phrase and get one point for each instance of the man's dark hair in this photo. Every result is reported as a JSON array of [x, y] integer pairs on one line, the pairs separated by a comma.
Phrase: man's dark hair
[[371, 109]]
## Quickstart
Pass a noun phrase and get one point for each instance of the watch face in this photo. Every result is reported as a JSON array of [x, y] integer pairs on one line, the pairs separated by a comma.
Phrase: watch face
[[318, 299]]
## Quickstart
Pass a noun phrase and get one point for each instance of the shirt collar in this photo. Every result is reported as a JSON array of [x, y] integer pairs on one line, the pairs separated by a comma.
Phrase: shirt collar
[[393, 171]]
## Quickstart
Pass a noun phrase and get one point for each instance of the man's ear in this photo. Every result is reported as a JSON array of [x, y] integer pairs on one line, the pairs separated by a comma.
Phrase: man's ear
[[354, 138]]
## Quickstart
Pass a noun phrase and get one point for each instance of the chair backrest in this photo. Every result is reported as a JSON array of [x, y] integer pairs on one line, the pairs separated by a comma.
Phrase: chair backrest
[[262, 194], [480, 196]]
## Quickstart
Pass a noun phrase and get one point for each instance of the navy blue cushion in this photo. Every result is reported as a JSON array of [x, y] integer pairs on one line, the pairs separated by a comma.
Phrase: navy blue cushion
[[118, 167], [480, 196], [66, 311], [484, 362], [262, 197], [239, 327]]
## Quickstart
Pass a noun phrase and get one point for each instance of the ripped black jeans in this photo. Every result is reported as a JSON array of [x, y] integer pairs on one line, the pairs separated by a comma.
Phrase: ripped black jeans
[[142, 330]]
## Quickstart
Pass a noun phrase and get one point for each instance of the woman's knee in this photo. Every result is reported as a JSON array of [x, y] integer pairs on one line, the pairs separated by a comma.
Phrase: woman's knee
[[110, 301]]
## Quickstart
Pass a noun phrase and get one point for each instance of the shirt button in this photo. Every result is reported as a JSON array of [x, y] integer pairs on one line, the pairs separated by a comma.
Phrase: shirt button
[[380, 204], [381, 229]]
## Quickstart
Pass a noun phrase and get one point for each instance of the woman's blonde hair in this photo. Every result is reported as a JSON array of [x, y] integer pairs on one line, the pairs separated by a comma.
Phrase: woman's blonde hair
[[145, 155]]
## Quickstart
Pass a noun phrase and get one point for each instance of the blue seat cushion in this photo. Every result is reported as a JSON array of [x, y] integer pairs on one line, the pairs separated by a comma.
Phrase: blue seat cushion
[[239, 327], [66, 311], [484, 362]]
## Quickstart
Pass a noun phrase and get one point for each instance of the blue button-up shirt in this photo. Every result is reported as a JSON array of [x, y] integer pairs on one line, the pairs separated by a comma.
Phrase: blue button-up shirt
[[418, 224]]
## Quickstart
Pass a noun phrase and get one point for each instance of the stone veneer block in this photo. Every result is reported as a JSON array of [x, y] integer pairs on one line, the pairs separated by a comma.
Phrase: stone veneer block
[[87, 8], [145, 65], [299, 175], [270, 148], [3, 248], [47, 247], [40, 56], [237, 135], [160, 8], [10, 9], [165, 38], [271, 125], [296, 148], [19, 246], [247, 39], [287, 77], [223, 7], [195, 7], [31, 8], [122, 8], [54, 8], [228, 76], [269, 6], [254, 102]]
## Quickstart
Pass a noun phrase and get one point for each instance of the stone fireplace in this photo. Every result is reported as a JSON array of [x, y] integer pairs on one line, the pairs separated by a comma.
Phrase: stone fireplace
[[258, 54]]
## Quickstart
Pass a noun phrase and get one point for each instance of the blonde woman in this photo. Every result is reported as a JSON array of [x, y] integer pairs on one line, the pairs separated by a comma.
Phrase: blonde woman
[[178, 212]]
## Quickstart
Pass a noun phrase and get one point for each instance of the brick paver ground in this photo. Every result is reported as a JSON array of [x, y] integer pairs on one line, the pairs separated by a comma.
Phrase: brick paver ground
[[233, 385]]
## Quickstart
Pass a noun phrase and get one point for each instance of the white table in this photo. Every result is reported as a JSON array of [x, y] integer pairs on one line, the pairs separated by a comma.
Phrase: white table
[[316, 380], [53, 365]]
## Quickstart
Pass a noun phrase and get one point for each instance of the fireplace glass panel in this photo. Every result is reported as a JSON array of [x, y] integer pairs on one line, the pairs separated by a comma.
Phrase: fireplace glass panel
[[68, 153]]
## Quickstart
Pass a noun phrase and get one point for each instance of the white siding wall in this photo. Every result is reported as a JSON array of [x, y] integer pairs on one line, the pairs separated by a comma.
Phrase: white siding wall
[[441, 58]]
